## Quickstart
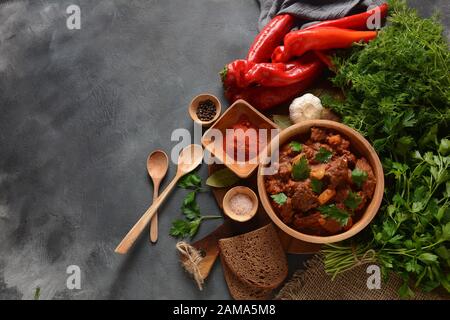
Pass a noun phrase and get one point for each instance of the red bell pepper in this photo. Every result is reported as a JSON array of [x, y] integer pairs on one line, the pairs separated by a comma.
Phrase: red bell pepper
[[355, 22], [264, 98], [269, 38], [280, 74], [325, 58], [234, 72], [243, 73], [296, 43]]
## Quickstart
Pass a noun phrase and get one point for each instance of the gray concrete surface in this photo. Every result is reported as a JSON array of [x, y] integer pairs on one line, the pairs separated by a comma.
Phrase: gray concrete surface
[[80, 111]]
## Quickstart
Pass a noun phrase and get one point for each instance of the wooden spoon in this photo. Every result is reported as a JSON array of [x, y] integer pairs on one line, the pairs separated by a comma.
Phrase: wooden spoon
[[189, 159], [157, 165]]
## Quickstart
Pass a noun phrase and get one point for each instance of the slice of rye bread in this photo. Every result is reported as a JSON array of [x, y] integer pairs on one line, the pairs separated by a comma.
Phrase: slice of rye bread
[[240, 290], [256, 258]]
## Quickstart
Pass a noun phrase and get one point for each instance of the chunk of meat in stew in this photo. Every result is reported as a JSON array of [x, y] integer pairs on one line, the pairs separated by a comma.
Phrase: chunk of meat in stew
[[304, 198], [368, 187], [286, 212], [337, 172], [274, 185], [316, 223], [318, 135]]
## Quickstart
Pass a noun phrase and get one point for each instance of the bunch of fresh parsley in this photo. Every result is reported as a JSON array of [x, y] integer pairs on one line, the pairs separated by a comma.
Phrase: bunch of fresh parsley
[[189, 226], [397, 86], [411, 234], [397, 93]]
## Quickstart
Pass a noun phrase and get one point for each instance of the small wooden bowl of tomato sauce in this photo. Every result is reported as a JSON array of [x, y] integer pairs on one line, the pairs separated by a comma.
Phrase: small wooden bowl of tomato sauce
[[239, 138]]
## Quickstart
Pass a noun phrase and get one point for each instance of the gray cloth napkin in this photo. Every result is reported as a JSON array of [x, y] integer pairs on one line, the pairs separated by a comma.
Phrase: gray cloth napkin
[[312, 10]]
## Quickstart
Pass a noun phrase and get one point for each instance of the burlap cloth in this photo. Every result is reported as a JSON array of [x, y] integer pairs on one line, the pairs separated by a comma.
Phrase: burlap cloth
[[314, 284]]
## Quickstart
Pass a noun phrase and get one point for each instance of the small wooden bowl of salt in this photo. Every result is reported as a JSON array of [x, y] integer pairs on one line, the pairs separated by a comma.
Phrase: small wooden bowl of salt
[[240, 204]]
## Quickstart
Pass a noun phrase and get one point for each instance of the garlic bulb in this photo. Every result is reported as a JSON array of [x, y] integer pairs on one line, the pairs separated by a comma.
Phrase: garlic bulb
[[306, 107]]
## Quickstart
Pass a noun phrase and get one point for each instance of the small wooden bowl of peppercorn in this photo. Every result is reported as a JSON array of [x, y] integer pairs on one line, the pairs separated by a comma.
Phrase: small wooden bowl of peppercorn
[[205, 109]]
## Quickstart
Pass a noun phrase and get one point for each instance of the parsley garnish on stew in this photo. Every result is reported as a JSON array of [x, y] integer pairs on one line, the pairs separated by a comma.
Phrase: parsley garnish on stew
[[279, 198], [296, 146], [323, 155], [316, 185], [359, 177], [333, 212], [353, 200], [300, 170]]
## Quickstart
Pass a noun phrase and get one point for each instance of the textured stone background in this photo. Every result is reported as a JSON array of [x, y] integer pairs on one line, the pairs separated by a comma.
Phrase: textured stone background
[[80, 111]]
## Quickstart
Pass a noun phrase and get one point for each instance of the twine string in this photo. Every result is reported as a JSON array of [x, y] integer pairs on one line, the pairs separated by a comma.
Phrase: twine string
[[191, 261], [368, 256]]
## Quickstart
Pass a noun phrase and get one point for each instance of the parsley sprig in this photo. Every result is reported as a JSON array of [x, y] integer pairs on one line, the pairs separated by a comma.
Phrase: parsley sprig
[[353, 200], [359, 177], [279, 198], [301, 169], [323, 155], [296, 146], [335, 213], [316, 185], [189, 226]]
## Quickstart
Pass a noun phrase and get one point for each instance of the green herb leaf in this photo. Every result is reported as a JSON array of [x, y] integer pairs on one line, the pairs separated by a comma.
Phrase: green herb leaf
[[335, 213], [282, 121], [194, 226], [222, 178], [279, 198], [443, 252], [405, 291], [189, 199], [409, 120], [190, 181], [179, 228], [37, 293], [323, 155], [429, 138], [301, 170], [296, 146], [353, 200], [444, 147], [428, 258], [316, 185], [359, 177], [183, 228], [446, 231], [430, 285], [190, 207]]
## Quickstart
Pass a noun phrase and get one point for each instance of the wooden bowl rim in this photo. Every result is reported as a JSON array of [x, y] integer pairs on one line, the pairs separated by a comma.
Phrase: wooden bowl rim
[[194, 105], [369, 153], [230, 213]]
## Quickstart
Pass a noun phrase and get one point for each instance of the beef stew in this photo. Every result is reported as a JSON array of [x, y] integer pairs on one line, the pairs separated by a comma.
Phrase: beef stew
[[322, 187]]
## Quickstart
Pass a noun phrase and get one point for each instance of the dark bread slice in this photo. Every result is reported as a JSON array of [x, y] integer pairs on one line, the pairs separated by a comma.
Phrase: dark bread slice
[[240, 290], [256, 258]]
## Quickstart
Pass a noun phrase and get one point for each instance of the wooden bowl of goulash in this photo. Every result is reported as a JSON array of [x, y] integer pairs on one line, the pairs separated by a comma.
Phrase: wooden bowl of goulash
[[326, 184]]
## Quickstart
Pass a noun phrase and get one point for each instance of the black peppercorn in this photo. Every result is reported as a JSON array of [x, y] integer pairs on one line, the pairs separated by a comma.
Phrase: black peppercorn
[[206, 110]]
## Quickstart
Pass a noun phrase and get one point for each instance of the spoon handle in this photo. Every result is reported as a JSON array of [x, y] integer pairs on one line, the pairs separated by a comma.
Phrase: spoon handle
[[137, 229], [154, 220]]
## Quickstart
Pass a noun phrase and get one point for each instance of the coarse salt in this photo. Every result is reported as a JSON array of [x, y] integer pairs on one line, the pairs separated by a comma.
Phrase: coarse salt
[[241, 204]]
